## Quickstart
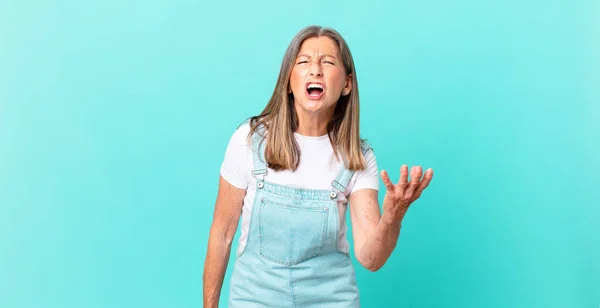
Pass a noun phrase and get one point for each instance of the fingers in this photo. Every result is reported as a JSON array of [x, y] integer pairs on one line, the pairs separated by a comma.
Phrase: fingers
[[425, 182], [414, 187], [403, 177], [386, 180], [415, 179]]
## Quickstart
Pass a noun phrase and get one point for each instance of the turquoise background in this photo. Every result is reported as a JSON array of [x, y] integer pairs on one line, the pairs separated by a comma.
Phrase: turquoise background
[[114, 118]]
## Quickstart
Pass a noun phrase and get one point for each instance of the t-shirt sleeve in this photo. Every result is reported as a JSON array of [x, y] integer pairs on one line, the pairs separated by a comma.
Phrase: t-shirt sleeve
[[369, 177], [234, 168]]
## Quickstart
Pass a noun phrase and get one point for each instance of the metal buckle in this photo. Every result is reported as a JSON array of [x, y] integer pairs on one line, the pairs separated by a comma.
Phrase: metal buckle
[[259, 171], [337, 185]]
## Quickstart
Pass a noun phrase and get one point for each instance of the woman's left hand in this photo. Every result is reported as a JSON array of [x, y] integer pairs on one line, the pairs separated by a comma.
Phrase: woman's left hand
[[399, 197]]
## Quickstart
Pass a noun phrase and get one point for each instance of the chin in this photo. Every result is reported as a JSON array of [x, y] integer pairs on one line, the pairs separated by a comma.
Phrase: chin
[[314, 105]]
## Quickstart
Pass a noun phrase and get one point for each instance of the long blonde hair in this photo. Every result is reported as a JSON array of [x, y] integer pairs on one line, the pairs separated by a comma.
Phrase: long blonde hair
[[280, 121]]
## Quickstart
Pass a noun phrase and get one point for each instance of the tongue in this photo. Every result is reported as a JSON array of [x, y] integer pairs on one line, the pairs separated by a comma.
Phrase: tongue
[[314, 92]]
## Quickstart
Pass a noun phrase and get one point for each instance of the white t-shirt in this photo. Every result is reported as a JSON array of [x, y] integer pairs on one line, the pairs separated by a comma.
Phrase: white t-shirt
[[318, 167]]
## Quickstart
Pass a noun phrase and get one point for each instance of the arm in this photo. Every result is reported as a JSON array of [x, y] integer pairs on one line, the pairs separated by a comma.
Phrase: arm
[[376, 235], [224, 226]]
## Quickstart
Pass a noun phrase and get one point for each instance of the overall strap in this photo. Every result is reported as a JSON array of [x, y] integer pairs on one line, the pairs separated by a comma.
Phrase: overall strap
[[344, 175], [258, 150]]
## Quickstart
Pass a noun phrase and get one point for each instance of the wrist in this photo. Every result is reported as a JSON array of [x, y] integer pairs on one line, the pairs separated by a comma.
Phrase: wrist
[[391, 220]]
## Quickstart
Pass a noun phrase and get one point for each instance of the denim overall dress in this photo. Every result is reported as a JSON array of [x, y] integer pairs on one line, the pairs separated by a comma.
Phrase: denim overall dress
[[291, 257]]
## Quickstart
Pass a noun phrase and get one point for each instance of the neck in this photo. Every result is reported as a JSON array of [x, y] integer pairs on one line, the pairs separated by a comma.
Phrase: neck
[[313, 124]]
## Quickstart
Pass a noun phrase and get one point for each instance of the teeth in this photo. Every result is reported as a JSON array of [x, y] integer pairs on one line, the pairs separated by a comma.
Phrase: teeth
[[315, 86]]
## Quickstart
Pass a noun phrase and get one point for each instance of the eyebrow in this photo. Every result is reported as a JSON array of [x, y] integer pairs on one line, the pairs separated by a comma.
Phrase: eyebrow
[[323, 56]]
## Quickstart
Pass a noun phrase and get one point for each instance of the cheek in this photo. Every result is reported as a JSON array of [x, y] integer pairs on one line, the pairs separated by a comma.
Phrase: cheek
[[296, 79], [337, 79]]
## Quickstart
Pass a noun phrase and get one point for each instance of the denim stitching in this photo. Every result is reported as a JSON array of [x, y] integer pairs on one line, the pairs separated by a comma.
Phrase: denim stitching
[[292, 285], [252, 220], [293, 261], [296, 193]]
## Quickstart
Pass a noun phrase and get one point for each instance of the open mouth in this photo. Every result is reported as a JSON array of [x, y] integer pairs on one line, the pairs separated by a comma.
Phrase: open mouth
[[314, 90]]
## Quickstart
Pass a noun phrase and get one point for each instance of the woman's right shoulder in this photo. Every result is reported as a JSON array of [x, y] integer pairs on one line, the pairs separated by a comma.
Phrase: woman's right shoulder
[[240, 134], [238, 157]]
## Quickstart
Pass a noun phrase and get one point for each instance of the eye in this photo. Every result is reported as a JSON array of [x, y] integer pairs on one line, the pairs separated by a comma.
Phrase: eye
[[302, 62], [329, 62]]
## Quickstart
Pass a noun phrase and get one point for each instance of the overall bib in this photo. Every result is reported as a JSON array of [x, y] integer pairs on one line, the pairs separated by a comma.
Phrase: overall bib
[[291, 257]]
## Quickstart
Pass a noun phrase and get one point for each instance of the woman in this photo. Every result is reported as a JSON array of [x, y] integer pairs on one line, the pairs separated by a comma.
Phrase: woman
[[290, 173]]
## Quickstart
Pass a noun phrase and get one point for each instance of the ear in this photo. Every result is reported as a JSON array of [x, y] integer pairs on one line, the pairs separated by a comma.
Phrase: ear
[[348, 86]]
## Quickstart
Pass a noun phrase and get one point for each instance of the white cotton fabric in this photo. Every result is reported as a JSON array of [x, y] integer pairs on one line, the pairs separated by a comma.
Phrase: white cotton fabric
[[318, 167]]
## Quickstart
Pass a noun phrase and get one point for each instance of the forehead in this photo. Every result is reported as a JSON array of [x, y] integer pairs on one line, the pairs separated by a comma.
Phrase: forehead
[[319, 46]]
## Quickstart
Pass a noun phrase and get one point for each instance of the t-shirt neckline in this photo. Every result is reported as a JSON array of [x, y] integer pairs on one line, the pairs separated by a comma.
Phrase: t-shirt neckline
[[314, 138]]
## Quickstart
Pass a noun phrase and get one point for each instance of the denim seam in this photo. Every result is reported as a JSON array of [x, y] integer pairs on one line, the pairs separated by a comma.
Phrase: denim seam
[[252, 220], [296, 193], [336, 219], [292, 285]]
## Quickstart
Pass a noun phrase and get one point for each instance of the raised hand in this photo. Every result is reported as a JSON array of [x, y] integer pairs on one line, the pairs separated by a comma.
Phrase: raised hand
[[399, 197]]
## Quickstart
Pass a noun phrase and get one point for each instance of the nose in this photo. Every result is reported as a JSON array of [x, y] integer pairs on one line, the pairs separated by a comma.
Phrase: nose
[[315, 69]]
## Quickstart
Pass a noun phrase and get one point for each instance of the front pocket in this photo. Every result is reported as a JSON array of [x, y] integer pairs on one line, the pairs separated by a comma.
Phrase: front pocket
[[290, 234]]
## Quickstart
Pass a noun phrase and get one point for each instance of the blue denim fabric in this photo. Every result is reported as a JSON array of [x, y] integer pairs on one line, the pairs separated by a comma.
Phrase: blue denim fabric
[[291, 257]]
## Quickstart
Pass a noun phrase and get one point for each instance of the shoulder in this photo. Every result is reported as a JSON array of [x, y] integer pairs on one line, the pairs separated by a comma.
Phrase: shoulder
[[240, 135], [365, 146], [369, 156], [369, 176], [366, 149], [235, 166], [238, 145]]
